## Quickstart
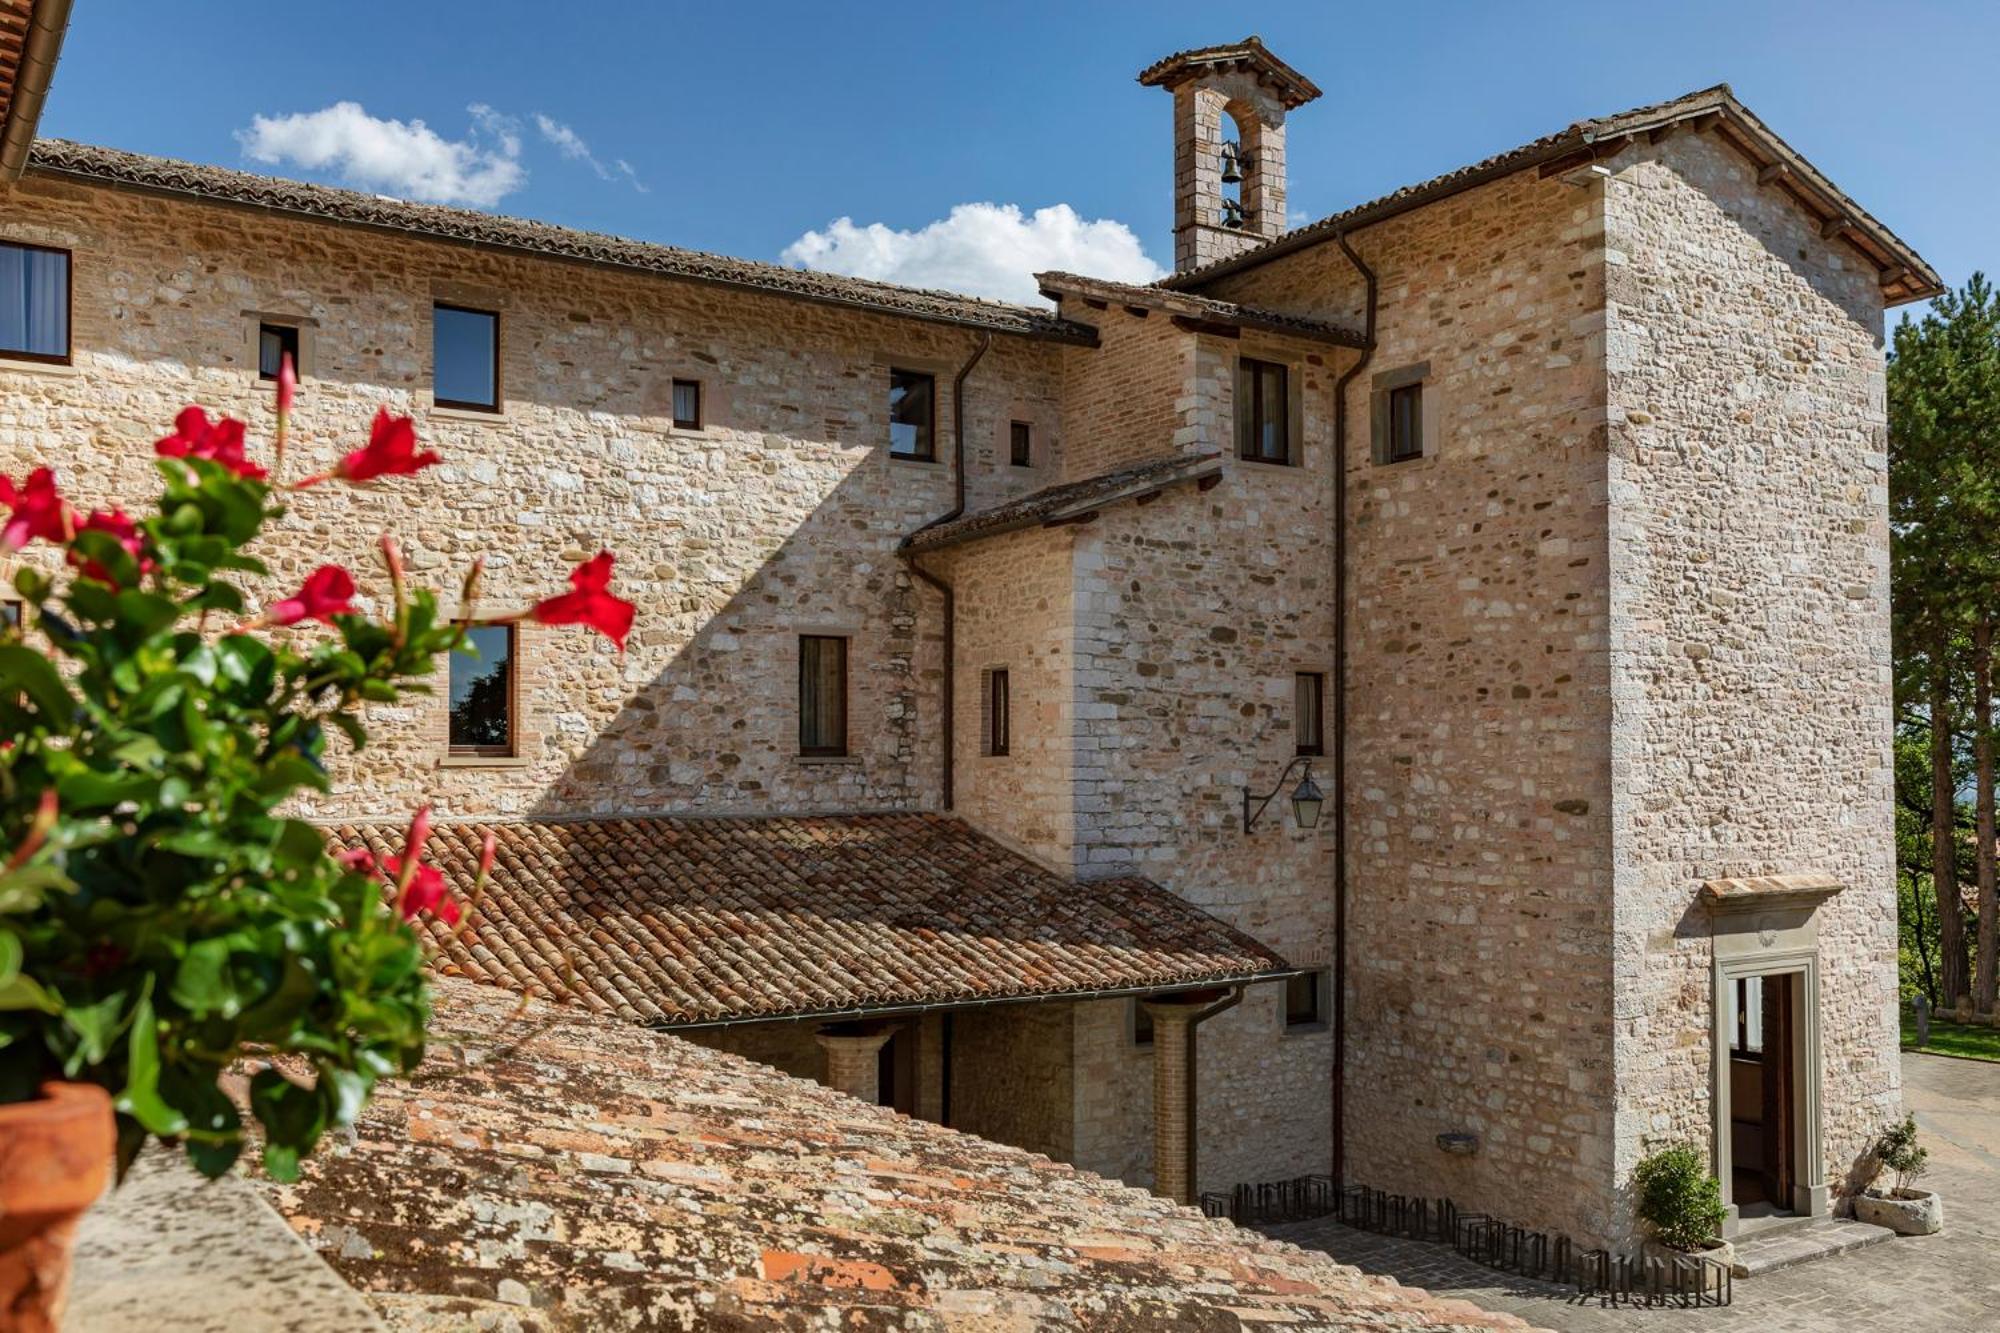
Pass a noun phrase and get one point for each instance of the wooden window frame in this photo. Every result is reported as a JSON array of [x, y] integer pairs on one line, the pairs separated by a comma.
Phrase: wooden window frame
[[930, 454], [1317, 1019], [496, 407], [1392, 450], [999, 713], [1384, 389], [1250, 418], [511, 748], [298, 348], [1316, 746], [1020, 444], [840, 749], [66, 357], [700, 406]]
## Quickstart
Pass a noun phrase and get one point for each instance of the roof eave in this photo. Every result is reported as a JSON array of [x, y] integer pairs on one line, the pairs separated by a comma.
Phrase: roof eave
[[943, 538], [39, 54]]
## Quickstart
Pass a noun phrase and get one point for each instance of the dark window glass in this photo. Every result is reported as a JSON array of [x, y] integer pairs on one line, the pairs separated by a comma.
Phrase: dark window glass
[[1309, 695], [912, 414], [1021, 445], [998, 722], [275, 342], [1142, 1025], [687, 404], [822, 695], [482, 693], [34, 302], [465, 345], [1263, 412], [1406, 423], [10, 612], [1302, 1000]]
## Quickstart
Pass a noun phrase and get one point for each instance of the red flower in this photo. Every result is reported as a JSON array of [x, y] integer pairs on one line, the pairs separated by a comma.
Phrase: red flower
[[327, 593], [127, 535], [37, 511], [357, 859], [425, 892], [195, 436], [391, 451], [288, 384], [591, 603]]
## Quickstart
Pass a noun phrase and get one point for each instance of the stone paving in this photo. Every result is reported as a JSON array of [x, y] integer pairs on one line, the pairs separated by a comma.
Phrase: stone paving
[[1950, 1281]]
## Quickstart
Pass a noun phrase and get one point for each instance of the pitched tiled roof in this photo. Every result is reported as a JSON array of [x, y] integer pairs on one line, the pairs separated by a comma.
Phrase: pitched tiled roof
[[1250, 53], [1906, 277], [1067, 500], [1202, 309], [549, 1169], [671, 921], [111, 166]]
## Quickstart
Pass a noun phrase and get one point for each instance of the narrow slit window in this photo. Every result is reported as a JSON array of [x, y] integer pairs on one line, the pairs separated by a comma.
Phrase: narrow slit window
[[34, 303], [482, 694], [465, 346], [912, 415], [1406, 423], [1263, 412], [998, 720], [1021, 445], [1302, 1000], [687, 404], [1308, 712], [822, 695], [275, 342]]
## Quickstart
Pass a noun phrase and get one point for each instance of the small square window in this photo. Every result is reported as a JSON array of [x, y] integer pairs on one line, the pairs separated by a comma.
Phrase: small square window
[[912, 415], [1021, 445], [822, 695], [34, 302], [482, 694], [275, 342], [687, 404], [1406, 422], [10, 613], [998, 720], [1302, 1000], [1142, 1024], [1263, 412], [1308, 712], [465, 349]]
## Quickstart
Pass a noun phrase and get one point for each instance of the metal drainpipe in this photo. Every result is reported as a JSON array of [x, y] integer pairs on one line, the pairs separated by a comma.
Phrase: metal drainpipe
[[1340, 717], [948, 696], [1234, 998]]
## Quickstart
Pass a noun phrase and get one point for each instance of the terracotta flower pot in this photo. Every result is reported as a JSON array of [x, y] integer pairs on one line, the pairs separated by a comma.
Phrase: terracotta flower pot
[[55, 1153]]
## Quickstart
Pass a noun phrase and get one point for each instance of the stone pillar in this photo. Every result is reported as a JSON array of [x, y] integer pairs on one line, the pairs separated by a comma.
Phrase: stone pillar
[[1174, 1127], [852, 1050]]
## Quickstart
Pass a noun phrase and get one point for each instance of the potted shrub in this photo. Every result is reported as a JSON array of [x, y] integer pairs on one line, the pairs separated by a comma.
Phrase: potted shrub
[[162, 916], [1682, 1203], [1903, 1208]]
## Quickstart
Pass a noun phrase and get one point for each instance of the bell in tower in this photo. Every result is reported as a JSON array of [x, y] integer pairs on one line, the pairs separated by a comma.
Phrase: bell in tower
[[1229, 146]]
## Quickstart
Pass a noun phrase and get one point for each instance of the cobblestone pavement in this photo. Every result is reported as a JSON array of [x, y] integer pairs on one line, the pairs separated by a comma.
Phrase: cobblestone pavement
[[1950, 1281]]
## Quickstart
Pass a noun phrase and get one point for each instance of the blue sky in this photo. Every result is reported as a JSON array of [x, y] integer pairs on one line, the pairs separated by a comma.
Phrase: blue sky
[[742, 127]]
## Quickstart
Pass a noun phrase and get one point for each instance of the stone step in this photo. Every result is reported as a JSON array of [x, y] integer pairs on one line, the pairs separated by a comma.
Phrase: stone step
[[1777, 1248]]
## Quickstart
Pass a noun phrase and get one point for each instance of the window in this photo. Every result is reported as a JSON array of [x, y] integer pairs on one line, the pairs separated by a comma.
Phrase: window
[[34, 302], [822, 695], [1263, 412], [1142, 1024], [10, 613], [1406, 423], [687, 404], [465, 349], [998, 722], [1308, 710], [482, 694], [1021, 444], [912, 414], [1302, 1000], [1746, 1023], [275, 342]]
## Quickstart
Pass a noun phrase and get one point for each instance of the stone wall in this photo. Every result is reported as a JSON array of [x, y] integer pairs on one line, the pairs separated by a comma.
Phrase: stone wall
[[779, 516], [1012, 1080], [1126, 400], [1749, 622], [787, 1046]]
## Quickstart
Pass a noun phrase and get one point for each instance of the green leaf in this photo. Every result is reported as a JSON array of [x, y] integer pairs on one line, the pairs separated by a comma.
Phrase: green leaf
[[202, 983], [293, 1119], [96, 1026], [25, 670], [141, 1098]]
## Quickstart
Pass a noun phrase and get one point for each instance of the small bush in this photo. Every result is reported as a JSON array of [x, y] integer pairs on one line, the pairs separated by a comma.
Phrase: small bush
[[1678, 1197], [1898, 1150]]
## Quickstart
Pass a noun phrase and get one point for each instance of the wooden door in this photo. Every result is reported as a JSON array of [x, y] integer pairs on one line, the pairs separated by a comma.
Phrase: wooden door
[[1780, 1099]]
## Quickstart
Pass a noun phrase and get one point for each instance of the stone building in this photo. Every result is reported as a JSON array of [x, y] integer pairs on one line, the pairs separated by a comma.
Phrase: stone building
[[1532, 519]]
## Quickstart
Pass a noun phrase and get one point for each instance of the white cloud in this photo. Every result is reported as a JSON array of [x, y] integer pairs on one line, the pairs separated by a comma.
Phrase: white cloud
[[571, 145], [991, 250], [403, 158]]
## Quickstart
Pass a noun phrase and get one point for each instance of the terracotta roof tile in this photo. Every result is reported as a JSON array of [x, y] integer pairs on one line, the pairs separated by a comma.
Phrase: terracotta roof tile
[[111, 166], [1069, 499], [1203, 308], [1293, 87], [548, 1168], [671, 921]]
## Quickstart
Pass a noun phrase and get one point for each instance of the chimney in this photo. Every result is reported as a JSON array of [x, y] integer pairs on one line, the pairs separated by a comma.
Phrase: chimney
[[1229, 146]]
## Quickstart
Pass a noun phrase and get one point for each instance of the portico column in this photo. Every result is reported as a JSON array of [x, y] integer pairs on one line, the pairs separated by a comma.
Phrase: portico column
[[852, 1051], [1174, 1128]]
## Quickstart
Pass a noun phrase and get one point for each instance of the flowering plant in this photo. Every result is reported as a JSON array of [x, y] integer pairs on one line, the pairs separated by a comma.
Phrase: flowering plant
[[160, 914]]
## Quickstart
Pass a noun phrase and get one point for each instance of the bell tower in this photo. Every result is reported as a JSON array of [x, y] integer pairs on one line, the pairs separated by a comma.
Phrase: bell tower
[[1229, 146]]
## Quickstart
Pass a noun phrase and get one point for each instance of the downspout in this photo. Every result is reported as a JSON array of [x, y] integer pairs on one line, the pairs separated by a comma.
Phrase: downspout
[[39, 54], [1348, 377], [948, 696], [1234, 998]]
